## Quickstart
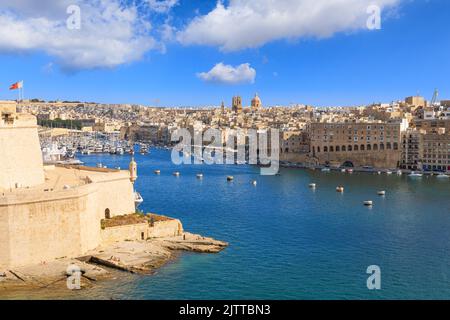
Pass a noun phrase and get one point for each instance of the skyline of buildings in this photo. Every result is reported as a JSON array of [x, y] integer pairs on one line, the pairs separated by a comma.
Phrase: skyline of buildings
[[411, 134]]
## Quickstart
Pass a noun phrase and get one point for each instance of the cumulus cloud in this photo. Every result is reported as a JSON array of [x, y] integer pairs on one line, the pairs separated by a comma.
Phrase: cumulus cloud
[[112, 32], [253, 23], [162, 6], [227, 74]]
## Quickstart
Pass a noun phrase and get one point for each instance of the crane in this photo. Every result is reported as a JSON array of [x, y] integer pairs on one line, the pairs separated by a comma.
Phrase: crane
[[435, 97]]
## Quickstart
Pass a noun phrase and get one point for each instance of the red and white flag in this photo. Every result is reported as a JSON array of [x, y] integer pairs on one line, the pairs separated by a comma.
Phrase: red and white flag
[[16, 86]]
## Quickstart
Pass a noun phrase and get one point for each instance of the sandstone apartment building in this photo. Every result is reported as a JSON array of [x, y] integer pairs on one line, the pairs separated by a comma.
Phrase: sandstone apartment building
[[426, 146], [357, 143]]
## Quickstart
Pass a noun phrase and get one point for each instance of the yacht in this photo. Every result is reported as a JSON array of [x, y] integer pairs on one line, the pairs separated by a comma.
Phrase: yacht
[[138, 198], [442, 176], [143, 149], [415, 175]]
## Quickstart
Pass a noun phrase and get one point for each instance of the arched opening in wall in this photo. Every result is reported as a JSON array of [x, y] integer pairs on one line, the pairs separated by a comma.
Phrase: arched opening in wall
[[395, 146], [142, 236], [363, 147], [338, 149], [388, 146], [343, 148], [381, 146], [325, 149], [318, 149], [348, 164], [356, 148], [331, 149], [107, 214], [375, 147], [369, 147], [350, 148]]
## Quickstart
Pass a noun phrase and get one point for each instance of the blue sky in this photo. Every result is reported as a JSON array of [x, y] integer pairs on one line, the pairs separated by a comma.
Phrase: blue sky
[[353, 65]]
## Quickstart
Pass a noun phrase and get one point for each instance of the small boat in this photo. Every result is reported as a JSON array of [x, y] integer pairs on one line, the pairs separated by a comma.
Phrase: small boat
[[312, 185], [230, 178], [349, 170], [340, 189], [388, 173], [200, 176], [343, 170], [442, 176], [368, 203], [326, 170], [157, 171], [399, 172], [381, 193], [138, 198], [143, 150], [99, 165], [379, 172], [176, 174], [415, 175]]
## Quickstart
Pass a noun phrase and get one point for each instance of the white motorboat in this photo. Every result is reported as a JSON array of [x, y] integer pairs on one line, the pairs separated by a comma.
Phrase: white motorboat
[[415, 175], [138, 198]]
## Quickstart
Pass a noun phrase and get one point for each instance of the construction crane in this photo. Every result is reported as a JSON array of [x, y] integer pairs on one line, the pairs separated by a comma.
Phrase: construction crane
[[435, 97]]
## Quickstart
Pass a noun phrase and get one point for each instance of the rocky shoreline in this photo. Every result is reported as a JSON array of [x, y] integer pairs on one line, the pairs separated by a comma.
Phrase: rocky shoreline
[[137, 257]]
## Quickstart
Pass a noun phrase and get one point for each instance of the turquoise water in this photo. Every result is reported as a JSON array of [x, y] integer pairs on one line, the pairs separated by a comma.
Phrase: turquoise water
[[290, 242]]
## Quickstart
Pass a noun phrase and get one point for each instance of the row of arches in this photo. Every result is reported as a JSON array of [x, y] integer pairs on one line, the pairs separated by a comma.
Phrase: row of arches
[[362, 147]]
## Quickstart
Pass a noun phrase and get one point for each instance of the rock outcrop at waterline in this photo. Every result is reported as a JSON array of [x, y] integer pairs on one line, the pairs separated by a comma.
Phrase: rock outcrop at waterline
[[133, 244]]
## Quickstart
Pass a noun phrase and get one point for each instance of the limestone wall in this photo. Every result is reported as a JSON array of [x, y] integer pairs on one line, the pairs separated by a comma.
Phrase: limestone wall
[[126, 232], [168, 228], [115, 194], [45, 230], [41, 227], [295, 157], [21, 158], [141, 231], [377, 159]]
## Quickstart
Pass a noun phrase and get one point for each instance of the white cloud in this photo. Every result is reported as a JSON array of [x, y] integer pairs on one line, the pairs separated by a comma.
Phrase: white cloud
[[227, 74], [253, 23], [162, 6], [112, 33]]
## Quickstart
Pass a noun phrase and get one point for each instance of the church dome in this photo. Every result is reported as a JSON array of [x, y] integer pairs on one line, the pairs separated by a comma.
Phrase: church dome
[[256, 101]]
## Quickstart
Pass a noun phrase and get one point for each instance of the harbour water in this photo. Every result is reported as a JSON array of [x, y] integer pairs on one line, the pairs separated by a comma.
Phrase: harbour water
[[288, 241]]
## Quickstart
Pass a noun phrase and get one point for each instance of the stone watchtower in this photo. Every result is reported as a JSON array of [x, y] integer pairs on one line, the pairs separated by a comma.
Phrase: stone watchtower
[[21, 163]]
